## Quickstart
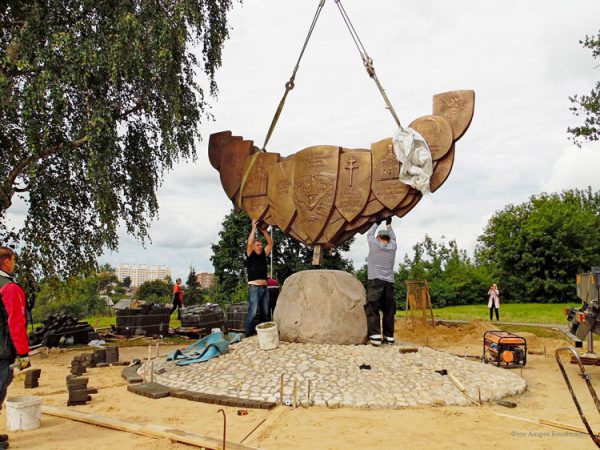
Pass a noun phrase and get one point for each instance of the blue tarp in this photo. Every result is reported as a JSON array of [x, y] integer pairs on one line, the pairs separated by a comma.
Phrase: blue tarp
[[213, 345]]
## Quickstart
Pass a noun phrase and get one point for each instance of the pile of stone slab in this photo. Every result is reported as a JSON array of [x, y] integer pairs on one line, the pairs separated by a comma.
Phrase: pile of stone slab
[[32, 378], [60, 330], [206, 316], [149, 320], [79, 392]]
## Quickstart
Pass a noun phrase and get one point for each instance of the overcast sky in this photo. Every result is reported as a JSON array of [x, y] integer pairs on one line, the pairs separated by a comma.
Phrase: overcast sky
[[522, 58]]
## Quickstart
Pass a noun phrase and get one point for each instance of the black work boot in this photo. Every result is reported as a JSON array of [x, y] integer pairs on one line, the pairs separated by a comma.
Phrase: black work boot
[[3, 437]]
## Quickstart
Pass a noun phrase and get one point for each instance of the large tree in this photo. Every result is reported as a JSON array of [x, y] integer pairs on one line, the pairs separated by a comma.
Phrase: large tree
[[453, 278], [588, 106], [98, 99], [289, 255], [539, 246]]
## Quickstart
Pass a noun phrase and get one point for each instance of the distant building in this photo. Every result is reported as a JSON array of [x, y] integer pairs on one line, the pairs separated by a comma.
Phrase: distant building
[[205, 279], [140, 273]]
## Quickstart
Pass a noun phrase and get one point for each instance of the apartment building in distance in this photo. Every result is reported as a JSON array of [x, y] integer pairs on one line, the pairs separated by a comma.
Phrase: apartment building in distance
[[141, 272], [205, 279]]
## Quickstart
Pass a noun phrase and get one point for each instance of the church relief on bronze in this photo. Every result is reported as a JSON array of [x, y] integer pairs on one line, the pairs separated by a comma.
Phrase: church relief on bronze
[[325, 194]]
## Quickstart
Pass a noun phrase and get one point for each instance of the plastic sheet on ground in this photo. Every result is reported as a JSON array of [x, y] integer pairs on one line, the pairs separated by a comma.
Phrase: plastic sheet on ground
[[212, 346]]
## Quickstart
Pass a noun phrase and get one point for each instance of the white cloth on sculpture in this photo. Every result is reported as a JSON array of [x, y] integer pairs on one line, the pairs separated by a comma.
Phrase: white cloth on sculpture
[[414, 154]]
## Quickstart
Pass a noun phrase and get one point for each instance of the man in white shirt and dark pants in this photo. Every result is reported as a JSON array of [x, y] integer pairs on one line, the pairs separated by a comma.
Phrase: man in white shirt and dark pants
[[380, 284]]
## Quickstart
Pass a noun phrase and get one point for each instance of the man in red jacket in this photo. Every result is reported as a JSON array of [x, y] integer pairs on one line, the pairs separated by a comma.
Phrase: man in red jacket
[[13, 331]]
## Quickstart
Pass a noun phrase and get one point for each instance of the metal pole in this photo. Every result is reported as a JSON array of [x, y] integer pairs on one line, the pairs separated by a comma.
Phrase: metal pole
[[272, 253], [590, 344]]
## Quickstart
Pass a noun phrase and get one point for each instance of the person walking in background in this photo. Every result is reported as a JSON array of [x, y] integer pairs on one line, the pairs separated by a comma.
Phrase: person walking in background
[[380, 284], [177, 298], [14, 345], [494, 302], [256, 266]]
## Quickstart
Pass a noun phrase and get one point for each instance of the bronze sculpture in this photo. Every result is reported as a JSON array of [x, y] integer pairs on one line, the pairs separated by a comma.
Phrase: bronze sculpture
[[324, 195]]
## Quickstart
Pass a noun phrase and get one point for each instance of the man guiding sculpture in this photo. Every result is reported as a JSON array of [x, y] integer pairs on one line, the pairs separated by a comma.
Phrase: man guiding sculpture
[[256, 265], [380, 284]]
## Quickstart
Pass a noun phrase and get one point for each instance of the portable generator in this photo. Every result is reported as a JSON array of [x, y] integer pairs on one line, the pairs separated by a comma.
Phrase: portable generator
[[504, 349]]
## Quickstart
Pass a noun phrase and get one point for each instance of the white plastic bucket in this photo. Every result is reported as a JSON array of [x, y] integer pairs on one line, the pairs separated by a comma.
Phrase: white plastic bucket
[[268, 335], [23, 413]]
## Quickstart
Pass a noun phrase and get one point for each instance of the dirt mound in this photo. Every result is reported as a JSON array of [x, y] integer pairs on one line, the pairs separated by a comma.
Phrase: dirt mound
[[441, 335], [468, 335]]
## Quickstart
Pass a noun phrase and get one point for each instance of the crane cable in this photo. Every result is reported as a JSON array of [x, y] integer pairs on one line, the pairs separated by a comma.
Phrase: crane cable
[[289, 85], [367, 61]]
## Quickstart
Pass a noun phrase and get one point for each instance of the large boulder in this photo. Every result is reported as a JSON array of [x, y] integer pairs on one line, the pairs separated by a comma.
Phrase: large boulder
[[322, 307]]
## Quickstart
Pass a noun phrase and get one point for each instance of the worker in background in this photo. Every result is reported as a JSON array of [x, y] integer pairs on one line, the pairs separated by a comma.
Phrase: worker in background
[[380, 284], [256, 266], [177, 298], [494, 302], [14, 345]]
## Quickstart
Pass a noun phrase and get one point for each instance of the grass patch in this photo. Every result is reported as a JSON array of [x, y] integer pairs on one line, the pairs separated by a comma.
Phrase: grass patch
[[509, 312]]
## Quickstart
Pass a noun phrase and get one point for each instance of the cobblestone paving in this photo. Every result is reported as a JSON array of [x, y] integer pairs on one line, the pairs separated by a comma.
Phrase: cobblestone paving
[[395, 380]]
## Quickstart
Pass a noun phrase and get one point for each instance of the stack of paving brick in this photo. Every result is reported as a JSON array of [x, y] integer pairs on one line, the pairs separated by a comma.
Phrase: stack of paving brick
[[78, 365], [79, 392], [59, 329], [32, 378], [149, 320], [112, 355], [207, 316]]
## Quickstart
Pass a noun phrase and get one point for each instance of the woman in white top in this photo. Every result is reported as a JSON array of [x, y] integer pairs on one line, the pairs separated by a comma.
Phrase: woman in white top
[[494, 301]]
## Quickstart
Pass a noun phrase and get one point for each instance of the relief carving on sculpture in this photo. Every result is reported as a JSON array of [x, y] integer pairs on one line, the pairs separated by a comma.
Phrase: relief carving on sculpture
[[324, 195]]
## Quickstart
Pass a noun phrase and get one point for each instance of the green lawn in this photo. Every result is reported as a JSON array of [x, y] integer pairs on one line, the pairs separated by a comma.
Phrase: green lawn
[[106, 321], [509, 312]]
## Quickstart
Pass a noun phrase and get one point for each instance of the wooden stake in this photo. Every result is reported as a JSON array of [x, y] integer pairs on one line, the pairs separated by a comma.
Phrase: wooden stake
[[295, 394], [151, 430], [308, 396], [157, 352], [281, 390]]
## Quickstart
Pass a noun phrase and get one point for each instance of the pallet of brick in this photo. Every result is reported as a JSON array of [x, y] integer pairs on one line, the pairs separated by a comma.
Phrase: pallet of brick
[[207, 316], [236, 317], [32, 378], [149, 320]]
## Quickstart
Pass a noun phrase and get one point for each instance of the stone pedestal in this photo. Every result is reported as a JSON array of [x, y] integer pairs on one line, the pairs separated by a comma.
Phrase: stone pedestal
[[322, 307]]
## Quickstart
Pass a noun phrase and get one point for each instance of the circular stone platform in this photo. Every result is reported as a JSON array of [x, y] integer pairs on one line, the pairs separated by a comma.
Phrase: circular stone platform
[[395, 379]]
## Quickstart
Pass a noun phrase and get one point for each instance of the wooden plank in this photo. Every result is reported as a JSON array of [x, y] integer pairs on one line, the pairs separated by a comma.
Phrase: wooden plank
[[150, 430]]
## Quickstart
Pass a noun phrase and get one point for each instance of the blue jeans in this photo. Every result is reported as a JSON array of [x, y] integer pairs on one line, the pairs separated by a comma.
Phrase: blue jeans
[[6, 377], [258, 297]]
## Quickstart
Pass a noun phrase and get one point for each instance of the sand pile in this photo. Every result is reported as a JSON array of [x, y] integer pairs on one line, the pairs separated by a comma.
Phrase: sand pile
[[467, 335]]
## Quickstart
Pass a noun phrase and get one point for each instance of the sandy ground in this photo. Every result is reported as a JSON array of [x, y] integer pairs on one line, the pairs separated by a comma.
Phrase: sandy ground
[[319, 428]]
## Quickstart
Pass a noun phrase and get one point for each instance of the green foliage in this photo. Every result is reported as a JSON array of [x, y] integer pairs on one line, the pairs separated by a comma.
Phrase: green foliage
[[155, 291], [192, 281], [588, 106], [452, 277], [98, 99], [536, 248], [126, 282], [78, 296], [289, 257]]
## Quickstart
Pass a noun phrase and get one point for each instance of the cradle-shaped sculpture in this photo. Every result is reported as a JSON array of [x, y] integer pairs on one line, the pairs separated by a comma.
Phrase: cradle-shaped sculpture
[[324, 195]]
